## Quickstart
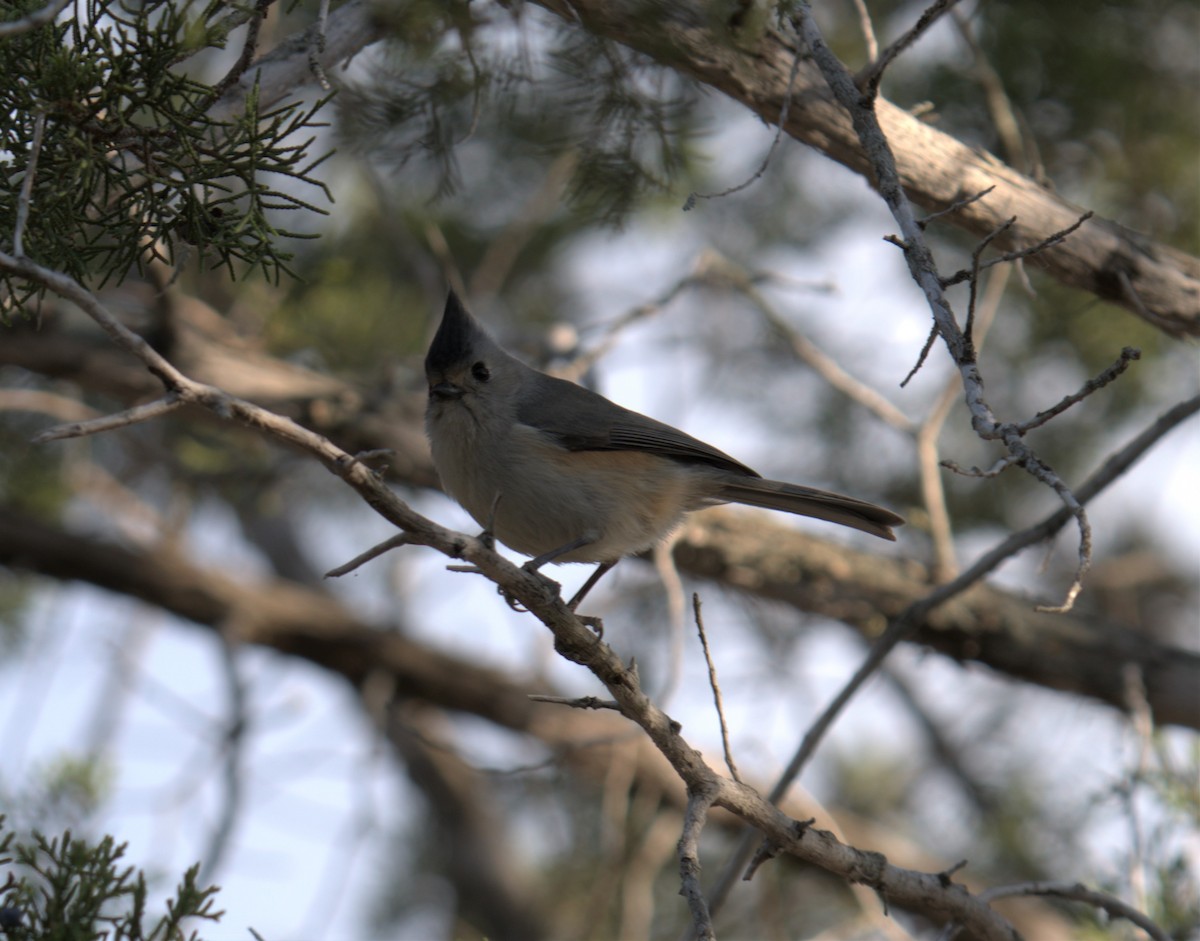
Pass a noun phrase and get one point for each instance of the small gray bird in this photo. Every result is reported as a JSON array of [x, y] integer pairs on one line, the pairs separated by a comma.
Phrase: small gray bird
[[557, 472]]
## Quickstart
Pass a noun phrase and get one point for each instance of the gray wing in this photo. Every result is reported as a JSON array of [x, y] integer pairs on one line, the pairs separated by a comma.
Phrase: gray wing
[[581, 420]]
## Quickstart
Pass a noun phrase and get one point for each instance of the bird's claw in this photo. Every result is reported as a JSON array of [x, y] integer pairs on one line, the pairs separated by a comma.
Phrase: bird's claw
[[593, 622], [554, 587]]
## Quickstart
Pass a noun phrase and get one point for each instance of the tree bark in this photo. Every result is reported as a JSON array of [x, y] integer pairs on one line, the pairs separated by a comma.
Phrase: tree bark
[[1158, 283], [984, 625]]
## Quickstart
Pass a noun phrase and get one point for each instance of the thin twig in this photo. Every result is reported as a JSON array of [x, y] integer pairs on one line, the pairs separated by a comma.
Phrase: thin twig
[[922, 356], [131, 416], [995, 470], [580, 702], [316, 47], [249, 47], [581, 364], [690, 202], [1020, 150], [868, 79], [395, 542], [1128, 355], [868, 30], [695, 814], [969, 329], [960, 276], [232, 744], [910, 620], [826, 367], [715, 687], [1075, 892], [933, 492], [954, 207], [925, 274], [26, 195], [1141, 718]]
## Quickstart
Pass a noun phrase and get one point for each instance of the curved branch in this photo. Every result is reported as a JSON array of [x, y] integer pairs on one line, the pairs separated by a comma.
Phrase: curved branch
[[1153, 281]]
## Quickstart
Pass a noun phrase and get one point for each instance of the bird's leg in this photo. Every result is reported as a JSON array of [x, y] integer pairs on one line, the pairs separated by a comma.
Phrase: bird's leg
[[533, 565], [601, 569], [488, 536], [536, 563], [589, 619]]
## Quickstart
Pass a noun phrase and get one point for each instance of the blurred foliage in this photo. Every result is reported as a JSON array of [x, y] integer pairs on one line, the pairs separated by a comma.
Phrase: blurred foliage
[[66, 889], [65, 793], [1102, 92], [458, 74], [29, 477], [131, 165], [493, 141]]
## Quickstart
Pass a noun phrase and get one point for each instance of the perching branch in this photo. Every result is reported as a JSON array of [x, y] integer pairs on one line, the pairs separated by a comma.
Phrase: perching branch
[[573, 639]]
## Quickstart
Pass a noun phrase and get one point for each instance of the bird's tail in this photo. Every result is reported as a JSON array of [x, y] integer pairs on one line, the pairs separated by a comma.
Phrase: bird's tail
[[808, 501]]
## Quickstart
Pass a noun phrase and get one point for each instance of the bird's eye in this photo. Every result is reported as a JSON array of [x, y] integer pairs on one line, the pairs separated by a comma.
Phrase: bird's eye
[[481, 372]]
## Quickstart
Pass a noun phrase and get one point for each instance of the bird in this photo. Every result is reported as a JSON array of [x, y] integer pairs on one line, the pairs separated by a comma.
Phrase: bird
[[558, 472]]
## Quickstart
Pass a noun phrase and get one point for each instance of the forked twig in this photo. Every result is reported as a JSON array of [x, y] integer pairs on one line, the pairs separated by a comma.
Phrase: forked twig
[[1050, 240], [1128, 355], [868, 79], [715, 687]]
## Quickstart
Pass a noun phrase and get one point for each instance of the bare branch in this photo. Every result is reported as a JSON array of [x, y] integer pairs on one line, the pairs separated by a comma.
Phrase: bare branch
[[317, 47], [702, 273], [664, 564], [965, 274], [573, 639], [26, 195], [902, 627], [1020, 149], [716, 689], [868, 29], [868, 80], [924, 272], [1075, 892], [969, 330], [247, 54], [995, 470], [131, 416], [934, 168], [933, 492], [395, 542], [579, 702], [690, 202], [698, 805], [824, 365], [955, 206], [922, 356], [233, 775], [1128, 355]]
